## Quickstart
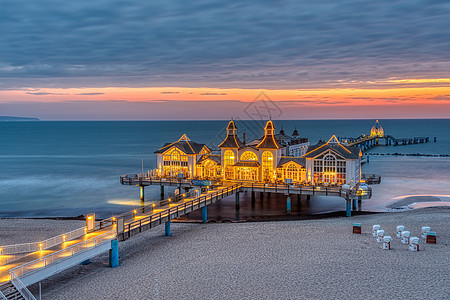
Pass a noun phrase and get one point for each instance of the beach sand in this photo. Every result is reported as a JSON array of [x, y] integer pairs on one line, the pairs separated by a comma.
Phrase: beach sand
[[15, 231], [309, 259]]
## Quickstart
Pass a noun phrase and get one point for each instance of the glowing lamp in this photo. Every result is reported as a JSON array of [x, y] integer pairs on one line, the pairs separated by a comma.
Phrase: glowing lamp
[[40, 246], [114, 218], [64, 238]]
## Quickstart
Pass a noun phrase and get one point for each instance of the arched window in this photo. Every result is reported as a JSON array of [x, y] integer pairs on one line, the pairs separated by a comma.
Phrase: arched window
[[329, 163], [267, 165], [228, 157], [175, 157], [292, 172], [249, 155]]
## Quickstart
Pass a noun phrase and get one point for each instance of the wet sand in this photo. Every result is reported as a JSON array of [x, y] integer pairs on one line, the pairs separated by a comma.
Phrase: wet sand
[[310, 259]]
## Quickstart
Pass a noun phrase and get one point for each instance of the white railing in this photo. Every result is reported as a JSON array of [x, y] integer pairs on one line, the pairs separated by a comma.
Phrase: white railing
[[36, 246], [3, 296], [18, 284], [62, 254]]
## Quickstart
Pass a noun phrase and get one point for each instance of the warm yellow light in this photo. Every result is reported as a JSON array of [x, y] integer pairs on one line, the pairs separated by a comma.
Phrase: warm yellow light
[[89, 217], [184, 195], [64, 238], [40, 245], [169, 200], [153, 205], [134, 211], [114, 218]]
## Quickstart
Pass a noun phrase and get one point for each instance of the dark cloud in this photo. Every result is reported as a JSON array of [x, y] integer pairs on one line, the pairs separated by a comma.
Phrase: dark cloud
[[90, 94], [294, 44], [43, 93], [214, 94], [169, 93]]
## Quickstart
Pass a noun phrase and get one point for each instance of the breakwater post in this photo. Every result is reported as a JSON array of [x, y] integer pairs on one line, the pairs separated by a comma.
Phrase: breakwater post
[[288, 205], [142, 193], [114, 254], [237, 200], [204, 214], [167, 228], [349, 207], [162, 192]]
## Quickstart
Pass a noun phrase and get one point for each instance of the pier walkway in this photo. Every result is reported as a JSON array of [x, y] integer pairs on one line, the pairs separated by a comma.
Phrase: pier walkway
[[353, 196], [367, 142], [23, 265]]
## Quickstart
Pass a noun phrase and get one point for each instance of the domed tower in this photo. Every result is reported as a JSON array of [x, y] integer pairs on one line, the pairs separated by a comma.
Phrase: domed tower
[[377, 130], [295, 133], [229, 151]]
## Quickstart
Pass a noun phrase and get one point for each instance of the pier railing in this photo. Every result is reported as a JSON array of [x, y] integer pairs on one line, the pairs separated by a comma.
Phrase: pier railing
[[178, 210], [46, 260], [11, 250], [144, 209], [144, 179], [18, 284], [352, 192]]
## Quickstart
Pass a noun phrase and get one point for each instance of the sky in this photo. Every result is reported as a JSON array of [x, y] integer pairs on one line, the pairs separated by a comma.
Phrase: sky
[[188, 60]]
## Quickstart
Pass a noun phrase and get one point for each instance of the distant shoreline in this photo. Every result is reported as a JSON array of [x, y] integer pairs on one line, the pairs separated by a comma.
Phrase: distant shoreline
[[18, 119]]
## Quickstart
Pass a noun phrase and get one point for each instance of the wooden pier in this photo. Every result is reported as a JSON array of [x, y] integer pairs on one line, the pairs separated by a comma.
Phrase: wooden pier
[[353, 196], [368, 142]]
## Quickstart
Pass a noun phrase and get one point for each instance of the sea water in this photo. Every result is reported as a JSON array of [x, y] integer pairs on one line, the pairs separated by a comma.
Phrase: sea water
[[73, 168]]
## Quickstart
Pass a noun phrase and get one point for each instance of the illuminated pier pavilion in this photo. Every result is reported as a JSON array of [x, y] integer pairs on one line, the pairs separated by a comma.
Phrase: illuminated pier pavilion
[[273, 158], [274, 163]]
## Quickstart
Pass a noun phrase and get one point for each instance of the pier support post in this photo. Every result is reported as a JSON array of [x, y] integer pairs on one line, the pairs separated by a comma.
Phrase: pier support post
[[142, 193], [162, 192], [288, 205], [261, 196], [237, 200], [354, 204], [359, 203], [349, 208], [205, 214], [114, 254], [253, 195], [167, 229]]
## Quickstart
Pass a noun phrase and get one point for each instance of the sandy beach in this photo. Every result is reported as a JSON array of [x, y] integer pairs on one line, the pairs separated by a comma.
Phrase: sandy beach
[[308, 259]]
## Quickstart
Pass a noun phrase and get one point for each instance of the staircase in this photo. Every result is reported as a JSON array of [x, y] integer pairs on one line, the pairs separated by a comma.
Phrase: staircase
[[9, 291]]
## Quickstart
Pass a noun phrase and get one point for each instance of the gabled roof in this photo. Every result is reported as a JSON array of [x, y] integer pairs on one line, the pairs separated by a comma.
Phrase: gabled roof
[[214, 157], [269, 141], [287, 159], [335, 146], [231, 141], [184, 144]]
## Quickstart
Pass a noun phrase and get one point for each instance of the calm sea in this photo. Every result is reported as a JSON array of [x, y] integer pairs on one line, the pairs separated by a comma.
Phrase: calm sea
[[73, 168]]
